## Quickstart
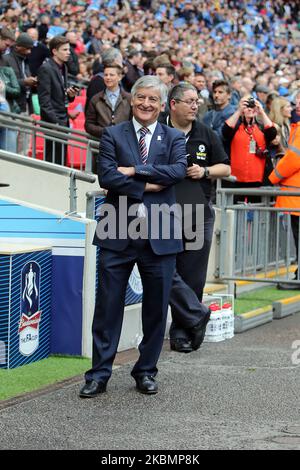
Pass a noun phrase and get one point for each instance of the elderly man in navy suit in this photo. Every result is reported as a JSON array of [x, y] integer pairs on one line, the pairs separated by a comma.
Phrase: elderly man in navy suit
[[140, 161]]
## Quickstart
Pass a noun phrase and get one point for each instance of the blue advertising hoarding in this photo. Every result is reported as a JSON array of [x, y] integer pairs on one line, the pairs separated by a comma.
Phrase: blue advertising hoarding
[[25, 305]]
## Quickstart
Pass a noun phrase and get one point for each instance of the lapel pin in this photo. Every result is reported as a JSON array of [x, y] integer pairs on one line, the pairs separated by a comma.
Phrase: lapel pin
[[159, 137]]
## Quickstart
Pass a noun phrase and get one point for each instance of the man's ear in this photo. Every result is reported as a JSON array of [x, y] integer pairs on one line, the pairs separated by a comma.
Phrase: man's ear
[[172, 103]]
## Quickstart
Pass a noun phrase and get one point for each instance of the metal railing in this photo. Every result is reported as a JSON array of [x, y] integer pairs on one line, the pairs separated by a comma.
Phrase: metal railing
[[91, 196], [53, 168], [92, 203], [81, 149], [258, 240]]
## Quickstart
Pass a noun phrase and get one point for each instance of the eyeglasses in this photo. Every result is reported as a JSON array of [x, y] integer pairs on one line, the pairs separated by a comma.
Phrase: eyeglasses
[[189, 102]]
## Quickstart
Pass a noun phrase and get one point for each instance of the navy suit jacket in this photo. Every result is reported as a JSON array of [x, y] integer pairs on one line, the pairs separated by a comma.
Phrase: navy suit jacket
[[166, 165]]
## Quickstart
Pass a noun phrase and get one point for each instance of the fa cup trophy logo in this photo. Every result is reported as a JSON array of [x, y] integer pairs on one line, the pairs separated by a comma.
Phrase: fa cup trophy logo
[[30, 312]]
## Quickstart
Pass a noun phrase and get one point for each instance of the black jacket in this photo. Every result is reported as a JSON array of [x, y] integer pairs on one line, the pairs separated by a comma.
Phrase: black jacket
[[205, 149], [38, 54], [73, 62], [52, 85], [132, 75], [14, 61]]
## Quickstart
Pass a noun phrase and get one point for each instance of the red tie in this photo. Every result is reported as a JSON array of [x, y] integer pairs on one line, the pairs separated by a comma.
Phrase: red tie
[[142, 144]]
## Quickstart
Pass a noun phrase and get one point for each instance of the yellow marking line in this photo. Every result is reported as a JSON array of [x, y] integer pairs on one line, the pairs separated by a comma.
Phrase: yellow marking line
[[289, 300], [269, 274], [256, 312]]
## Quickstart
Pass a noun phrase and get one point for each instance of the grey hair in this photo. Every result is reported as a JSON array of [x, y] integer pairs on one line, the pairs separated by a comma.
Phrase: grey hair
[[215, 73], [151, 81], [112, 55], [177, 92]]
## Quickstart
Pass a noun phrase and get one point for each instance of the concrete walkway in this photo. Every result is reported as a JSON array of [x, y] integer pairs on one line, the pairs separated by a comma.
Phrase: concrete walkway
[[239, 394]]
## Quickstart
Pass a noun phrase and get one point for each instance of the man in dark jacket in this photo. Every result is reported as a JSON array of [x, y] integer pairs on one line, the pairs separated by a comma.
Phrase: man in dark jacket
[[17, 59], [206, 160], [73, 62], [133, 72], [55, 95], [38, 53]]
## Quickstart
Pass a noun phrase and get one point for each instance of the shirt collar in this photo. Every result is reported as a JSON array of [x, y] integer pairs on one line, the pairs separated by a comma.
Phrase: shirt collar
[[112, 93], [188, 134], [137, 126]]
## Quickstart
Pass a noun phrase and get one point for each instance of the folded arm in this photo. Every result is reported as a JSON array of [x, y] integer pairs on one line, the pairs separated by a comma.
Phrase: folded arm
[[165, 175]]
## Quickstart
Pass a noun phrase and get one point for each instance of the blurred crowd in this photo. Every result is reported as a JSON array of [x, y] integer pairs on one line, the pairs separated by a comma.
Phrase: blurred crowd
[[246, 47], [259, 40]]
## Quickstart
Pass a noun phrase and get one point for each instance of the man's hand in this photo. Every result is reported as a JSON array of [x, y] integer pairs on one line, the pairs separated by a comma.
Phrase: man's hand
[[153, 188], [195, 172], [259, 108], [71, 92], [127, 170], [30, 81]]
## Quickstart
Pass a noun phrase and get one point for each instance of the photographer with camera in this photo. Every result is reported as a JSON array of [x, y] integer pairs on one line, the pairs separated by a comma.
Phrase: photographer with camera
[[249, 132]]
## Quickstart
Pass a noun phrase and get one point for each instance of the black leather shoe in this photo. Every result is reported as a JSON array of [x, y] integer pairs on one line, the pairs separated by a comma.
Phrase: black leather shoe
[[181, 345], [198, 331], [288, 286], [146, 384], [92, 389]]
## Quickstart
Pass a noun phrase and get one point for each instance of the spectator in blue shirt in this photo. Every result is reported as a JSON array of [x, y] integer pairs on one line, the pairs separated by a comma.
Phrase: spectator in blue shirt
[[216, 118]]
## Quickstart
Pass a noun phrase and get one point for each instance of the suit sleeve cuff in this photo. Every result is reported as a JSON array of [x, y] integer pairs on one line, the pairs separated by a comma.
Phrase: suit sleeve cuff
[[142, 170]]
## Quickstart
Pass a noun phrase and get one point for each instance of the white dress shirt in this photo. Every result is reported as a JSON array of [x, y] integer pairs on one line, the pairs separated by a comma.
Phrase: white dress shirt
[[137, 127]]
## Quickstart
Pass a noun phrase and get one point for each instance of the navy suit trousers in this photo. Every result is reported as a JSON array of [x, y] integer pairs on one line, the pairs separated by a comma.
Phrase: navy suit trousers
[[114, 271]]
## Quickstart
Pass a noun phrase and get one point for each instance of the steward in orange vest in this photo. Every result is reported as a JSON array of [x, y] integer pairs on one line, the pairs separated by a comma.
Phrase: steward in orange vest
[[287, 171], [287, 175]]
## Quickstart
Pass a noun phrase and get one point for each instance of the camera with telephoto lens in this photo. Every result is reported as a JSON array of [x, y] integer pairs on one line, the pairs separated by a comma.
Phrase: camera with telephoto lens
[[250, 103]]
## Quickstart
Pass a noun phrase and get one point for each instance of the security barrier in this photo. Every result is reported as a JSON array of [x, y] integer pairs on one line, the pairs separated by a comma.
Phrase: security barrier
[[29, 136], [53, 168], [262, 239]]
